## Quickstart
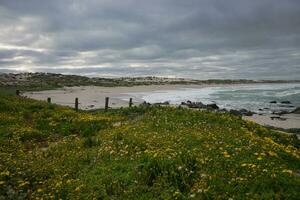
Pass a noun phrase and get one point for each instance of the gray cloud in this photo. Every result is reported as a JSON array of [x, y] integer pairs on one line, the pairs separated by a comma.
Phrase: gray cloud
[[196, 38]]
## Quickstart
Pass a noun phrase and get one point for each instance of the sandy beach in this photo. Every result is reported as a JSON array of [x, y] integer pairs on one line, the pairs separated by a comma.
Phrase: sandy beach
[[93, 97], [286, 121]]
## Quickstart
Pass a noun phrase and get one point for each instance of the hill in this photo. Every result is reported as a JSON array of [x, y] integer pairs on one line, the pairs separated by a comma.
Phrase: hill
[[49, 151], [44, 81]]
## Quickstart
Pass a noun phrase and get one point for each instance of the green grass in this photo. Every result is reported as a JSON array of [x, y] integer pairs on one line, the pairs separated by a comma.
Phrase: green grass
[[53, 152]]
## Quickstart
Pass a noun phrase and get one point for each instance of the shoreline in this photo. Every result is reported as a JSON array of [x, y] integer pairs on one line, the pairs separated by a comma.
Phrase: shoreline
[[93, 97], [286, 121]]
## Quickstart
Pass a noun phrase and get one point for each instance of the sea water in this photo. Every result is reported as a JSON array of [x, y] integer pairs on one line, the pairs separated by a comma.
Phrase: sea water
[[254, 97]]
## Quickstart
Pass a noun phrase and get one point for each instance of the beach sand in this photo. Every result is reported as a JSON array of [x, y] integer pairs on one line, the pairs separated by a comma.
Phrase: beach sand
[[286, 121], [93, 97]]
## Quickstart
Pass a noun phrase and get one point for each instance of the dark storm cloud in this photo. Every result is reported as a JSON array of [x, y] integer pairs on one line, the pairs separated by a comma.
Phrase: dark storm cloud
[[194, 38]]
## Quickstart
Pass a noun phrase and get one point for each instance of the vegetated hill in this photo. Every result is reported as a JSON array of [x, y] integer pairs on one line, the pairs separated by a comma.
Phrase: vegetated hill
[[49, 151], [38, 81]]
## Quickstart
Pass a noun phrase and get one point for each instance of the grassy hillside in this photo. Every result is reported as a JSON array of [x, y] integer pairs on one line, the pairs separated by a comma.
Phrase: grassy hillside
[[50, 151]]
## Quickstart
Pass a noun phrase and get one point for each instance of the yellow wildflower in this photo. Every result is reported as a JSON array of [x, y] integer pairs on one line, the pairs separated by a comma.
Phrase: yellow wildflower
[[226, 155], [290, 172], [259, 158]]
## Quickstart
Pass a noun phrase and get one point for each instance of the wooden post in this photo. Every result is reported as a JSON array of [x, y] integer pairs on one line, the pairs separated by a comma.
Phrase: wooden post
[[76, 104], [130, 102], [18, 92], [106, 103], [49, 99]]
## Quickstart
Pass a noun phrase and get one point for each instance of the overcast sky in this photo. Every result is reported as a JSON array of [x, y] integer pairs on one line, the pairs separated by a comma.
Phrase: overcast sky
[[201, 39]]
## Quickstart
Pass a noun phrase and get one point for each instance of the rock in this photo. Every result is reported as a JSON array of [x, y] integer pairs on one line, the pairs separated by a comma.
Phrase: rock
[[162, 103], [287, 106], [278, 118], [213, 106], [282, 112], [285, 102], [235, 112], [200, 105], [241, 112], [194, 104], [145, 104], [273, 102], [223, 110], [246, 112], [296, 111]]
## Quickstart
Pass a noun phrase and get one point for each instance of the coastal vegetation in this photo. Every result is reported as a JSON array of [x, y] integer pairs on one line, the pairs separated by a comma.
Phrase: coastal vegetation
[[148, 152], [46, 81]]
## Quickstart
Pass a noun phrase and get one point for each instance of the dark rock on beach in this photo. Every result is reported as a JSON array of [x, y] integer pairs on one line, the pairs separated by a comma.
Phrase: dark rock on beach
[[246, 112], [278, 118], [145, 104], [200, 105], [193, 104], [296, 111], [273, 102], [212, 106], [285, 102], [287, 106], [162, 103], [282, 112], [242, 112]]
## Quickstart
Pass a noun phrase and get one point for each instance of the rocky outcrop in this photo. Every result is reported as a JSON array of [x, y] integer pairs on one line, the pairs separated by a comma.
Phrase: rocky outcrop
[[200, 105], [241, 112], [296, 111], [166, 103], [193, 104]]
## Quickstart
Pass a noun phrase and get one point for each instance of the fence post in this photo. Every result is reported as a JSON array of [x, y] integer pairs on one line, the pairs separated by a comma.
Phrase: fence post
[[18, 92], [130, 102], [76, 104], [49, 99], [106, 103]]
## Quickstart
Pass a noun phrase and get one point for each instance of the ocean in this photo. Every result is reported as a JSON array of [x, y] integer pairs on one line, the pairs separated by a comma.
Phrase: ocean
[[254, 97]]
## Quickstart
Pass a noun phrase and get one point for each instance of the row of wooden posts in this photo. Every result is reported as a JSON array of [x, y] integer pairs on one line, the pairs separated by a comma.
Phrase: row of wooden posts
[[77, 102]]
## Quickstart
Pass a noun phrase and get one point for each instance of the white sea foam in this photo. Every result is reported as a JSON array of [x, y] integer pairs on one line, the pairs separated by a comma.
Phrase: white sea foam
[[252, 97]]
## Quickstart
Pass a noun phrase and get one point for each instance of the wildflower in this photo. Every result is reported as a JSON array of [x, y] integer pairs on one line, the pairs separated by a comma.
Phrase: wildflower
[[77, 189], [271, 153], [288, 171], [226, 155], [23, 183], [199, 191], [5, 173], [176, 193], [192, 195]]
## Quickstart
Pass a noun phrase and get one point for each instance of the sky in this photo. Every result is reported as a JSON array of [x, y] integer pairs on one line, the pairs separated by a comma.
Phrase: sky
[[199, 39]]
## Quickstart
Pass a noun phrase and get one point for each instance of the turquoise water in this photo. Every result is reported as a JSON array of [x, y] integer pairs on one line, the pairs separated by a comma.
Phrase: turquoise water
[[252, 97]]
